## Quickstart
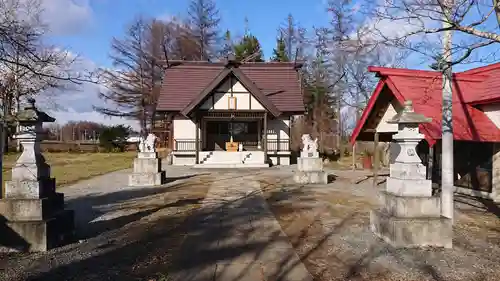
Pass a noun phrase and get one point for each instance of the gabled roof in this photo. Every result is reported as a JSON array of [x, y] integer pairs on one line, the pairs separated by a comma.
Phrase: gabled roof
[[424, 89], [243, 79], [186, 81]]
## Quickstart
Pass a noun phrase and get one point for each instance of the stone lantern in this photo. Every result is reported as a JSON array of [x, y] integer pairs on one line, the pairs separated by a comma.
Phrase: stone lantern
[[408, 174], [409, 215], [34, 214]]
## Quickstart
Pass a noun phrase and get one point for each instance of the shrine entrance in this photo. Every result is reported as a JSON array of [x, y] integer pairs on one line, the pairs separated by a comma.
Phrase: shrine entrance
[[217, 133]]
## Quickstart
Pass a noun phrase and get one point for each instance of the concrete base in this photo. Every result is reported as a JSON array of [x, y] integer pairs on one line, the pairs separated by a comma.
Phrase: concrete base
[[310, 177], [147, 170], [405, 221], [147, 155], [146, 179], [31, 209], [37, 235], [412, 232], [30, 189], [147, 165], [409, 187], [310, 164], [410, 207]]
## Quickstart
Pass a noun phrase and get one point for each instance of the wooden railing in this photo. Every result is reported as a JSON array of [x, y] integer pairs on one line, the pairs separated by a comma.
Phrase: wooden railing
[[278, 145], [185, 145], [272, 145]]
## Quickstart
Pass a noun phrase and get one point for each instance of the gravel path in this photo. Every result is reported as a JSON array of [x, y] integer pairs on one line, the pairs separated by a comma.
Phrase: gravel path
[[237, 237]]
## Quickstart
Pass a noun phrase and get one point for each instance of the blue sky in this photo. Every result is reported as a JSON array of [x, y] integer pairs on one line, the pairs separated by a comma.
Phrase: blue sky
[[107, 18], [86, 27]]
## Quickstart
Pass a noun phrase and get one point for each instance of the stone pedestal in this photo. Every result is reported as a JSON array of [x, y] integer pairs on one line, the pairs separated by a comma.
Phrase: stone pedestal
[[409, 215], [147, 170], [310, 168], [32, 214]]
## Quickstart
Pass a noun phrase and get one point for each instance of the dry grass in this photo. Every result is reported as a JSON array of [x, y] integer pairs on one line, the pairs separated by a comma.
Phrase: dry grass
[[69, 168]]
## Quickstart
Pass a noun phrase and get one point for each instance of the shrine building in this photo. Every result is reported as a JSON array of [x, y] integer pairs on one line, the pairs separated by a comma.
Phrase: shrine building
[[229, 114]]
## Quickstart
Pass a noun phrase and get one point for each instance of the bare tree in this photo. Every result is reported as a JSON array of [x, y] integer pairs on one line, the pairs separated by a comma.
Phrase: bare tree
[[475, 25], [139, 60], [23, 49], [180, 42], [131, 86], [319, 80], [294, 36], [351, 51], [28, 66], [204, 22]]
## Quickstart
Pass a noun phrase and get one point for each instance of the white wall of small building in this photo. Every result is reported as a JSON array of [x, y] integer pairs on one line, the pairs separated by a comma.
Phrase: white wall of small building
[[493, 112], [184, 129], [244, 100], [278, 127], [383, 126]]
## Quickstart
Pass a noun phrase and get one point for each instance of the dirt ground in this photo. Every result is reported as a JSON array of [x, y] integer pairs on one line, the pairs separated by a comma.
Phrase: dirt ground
[[135, 234], [142, 231], [329, 228]]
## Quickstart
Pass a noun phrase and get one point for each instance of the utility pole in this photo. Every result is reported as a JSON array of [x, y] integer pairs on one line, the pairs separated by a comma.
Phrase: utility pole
[[447, 173]]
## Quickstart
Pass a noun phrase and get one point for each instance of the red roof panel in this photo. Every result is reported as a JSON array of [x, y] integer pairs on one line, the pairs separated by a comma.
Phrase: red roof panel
[[424, 88]]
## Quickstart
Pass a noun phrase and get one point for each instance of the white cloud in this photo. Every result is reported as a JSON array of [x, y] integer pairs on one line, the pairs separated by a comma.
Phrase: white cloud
[[66, 17], [77, 102]]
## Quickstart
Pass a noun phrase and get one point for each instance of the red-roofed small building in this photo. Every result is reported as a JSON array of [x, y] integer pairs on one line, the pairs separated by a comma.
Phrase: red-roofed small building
[[476, 120], [229, 114]]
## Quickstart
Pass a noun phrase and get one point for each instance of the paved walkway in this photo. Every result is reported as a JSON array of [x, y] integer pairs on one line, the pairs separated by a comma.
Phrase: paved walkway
[[236, 238]]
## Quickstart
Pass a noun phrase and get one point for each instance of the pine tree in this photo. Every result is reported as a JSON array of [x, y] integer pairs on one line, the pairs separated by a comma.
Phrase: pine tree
[[438, 63], [204, 21], [249, 49], [280, 52]]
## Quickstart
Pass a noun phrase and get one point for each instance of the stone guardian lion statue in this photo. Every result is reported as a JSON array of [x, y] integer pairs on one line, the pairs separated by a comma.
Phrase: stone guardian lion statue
[[309, 145], [148, 144]]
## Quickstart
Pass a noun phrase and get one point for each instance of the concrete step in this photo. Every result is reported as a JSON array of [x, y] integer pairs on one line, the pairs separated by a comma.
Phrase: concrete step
[[230, 165]]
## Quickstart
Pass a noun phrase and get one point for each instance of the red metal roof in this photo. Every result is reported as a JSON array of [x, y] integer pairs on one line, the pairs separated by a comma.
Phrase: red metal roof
[[184, 81], [424, 88]]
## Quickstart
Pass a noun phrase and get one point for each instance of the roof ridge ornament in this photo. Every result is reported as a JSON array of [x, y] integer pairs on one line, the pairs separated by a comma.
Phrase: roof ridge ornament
[[231, 61]]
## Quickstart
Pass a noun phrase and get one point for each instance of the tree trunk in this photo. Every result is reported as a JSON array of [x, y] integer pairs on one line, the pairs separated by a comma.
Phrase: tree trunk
[[496, 4]]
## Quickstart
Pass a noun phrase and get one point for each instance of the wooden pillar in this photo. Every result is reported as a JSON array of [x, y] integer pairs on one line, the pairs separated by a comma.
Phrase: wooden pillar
[[376, 159], [430, 163], [197, 140], [354, 156], [495, 176], [265, 137], [259, 134]]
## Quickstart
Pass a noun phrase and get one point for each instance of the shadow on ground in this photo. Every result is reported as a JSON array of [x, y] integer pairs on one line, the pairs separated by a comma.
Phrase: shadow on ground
[[184, 244]]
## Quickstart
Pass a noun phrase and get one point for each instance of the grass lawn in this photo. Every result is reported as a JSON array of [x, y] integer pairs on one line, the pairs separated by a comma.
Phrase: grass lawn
[[68, 168]]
